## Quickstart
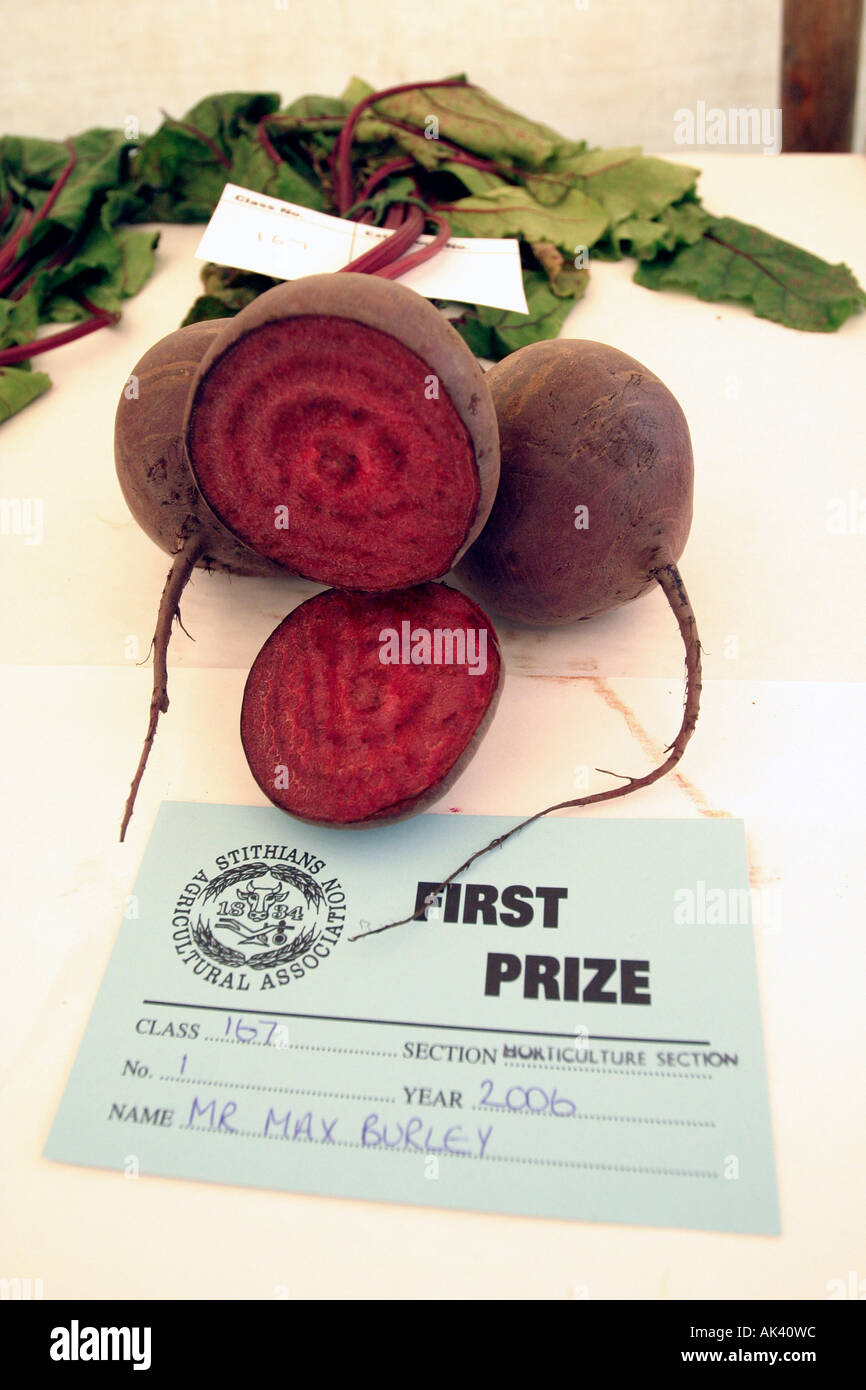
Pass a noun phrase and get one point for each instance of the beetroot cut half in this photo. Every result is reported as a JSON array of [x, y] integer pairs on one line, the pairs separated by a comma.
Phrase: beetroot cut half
[[364, 708], [342, 428]]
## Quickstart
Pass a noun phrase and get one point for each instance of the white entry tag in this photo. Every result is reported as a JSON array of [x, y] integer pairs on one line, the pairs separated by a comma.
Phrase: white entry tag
[[252, 231]]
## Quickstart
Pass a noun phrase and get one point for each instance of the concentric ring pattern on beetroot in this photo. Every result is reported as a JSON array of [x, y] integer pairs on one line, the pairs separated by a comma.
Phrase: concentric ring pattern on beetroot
[[328, 446], [344, 721]]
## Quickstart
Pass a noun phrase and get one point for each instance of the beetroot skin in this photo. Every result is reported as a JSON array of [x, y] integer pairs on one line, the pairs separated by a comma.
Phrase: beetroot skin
[[336, 735], [581, 425], [151, 463], [161, 493], [342, 428]]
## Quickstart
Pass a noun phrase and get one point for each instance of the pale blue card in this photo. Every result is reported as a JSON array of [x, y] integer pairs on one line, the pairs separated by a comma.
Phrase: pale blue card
[[578, 1035]]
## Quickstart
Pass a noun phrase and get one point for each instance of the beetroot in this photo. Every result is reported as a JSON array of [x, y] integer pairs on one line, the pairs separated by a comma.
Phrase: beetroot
[[340, 426], [363, 708], [581, 425], [161, 494]]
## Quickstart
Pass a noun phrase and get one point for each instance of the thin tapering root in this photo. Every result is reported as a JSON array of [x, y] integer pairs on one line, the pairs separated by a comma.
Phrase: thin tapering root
[[169, 608], [670, 580]]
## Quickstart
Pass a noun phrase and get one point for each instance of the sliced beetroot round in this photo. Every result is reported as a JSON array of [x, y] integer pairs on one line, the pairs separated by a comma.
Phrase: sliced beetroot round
[[340, 426], [364, 708]]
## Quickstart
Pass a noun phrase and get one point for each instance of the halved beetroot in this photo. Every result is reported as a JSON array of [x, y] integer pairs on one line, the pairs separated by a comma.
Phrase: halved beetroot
[[364, 708], [341, 427]]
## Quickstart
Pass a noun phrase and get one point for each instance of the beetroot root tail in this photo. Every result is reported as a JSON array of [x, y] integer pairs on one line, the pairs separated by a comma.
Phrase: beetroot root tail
[[169, 608], [674, 590]]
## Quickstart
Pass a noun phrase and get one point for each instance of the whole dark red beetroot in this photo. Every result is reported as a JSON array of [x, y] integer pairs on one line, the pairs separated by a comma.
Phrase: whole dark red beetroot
[[582, 426], [362, 708], [340, 426], [162, 495]]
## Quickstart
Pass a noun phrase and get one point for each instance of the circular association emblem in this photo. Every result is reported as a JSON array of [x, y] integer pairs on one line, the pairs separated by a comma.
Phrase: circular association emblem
[[257, 916]]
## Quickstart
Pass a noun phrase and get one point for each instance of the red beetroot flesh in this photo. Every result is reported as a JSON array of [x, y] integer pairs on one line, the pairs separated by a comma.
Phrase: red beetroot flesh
[[361, 740], [337, 423]]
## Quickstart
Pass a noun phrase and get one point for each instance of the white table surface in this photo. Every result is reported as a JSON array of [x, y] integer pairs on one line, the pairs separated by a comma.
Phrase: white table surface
[[777, 421]]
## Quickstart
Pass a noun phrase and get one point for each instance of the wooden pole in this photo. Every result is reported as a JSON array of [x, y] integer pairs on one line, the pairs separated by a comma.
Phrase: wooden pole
[[820, 50]]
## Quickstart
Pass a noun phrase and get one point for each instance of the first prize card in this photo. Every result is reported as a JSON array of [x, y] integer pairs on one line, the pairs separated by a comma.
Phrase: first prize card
[[574, 1033]]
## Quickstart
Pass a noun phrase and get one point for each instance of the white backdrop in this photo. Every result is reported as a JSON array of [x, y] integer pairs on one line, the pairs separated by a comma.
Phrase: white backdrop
[[609, 71]]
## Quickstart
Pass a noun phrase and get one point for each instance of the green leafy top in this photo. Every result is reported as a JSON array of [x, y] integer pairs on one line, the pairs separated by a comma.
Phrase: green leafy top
[[732, 260], [68, 253]]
